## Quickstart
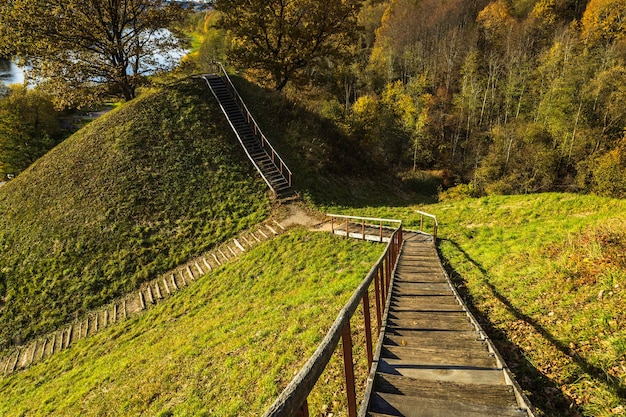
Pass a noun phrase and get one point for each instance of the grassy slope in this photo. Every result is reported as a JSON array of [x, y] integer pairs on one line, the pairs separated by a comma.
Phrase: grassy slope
[[547, 274], [223, 347], [131, 195]]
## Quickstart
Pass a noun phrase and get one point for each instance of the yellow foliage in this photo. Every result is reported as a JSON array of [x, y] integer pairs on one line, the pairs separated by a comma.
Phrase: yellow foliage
[[604, 21], [543, 11], [365, 106], [495, 21]]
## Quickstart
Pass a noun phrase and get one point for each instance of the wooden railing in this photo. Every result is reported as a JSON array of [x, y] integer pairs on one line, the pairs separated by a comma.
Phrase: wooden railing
[[366, 223], [293, 400], [435, 224], [276, 159]]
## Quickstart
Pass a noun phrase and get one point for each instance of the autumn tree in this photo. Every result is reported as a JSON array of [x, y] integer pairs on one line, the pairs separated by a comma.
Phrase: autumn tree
[[29, 128], [604, 22], [280, 38], [81, 48]]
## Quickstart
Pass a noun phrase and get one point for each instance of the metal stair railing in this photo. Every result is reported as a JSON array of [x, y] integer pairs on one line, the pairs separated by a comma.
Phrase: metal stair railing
[[265, 143], [245, 149]]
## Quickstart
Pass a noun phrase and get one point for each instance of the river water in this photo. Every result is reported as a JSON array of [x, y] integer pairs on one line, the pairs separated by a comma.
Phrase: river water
[[10, 73]]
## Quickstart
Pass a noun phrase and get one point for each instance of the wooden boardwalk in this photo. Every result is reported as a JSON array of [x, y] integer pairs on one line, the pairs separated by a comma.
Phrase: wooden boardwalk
[[434, 360]]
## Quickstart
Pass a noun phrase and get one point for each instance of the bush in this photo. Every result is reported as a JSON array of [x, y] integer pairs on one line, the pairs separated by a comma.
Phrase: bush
[[609, 175], [459, 192]]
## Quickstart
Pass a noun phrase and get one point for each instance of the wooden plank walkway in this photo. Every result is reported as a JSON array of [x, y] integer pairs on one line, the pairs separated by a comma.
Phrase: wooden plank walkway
[[433, 360]]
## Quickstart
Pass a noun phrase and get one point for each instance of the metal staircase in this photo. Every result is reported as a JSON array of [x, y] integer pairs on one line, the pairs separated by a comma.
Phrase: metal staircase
[[266, 160]]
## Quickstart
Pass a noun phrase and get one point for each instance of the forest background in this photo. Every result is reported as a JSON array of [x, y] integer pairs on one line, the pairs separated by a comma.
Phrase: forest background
[[503, 97]]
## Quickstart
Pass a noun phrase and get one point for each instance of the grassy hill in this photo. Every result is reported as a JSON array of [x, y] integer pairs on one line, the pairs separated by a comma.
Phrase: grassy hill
[[132, 195], [225, 346], [546, 274]]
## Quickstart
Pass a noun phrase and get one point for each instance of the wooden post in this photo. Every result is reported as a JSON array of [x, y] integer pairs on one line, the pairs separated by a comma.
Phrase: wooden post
[[347, 229], [32, 353], [158, 290], [188, 268], [304, 410], [43, 348], [381, 270], [150, 295], [207, 264], [380, 232], [17, 359], [368, 330], [142, 302], [69, 335], [377, 293], [332, 224], [363, 229], [348, 366]]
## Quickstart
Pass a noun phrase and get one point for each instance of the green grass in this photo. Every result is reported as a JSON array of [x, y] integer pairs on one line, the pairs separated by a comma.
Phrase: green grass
[[547, 274], [130, 196], [225, 346]]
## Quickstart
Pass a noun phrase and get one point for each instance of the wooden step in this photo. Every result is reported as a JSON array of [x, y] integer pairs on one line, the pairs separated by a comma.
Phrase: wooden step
[[463, 357], [426, 301], [403, 276], [451, 373], [443, 339], [412, 285], [401, 405], [413, 292], [432, 315], [485, 394]]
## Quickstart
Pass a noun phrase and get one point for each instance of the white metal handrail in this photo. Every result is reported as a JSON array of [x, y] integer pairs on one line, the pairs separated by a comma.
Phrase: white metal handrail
[[284, 170]]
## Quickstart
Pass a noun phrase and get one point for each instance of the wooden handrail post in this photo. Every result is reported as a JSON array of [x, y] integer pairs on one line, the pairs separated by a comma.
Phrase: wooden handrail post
[[377, 295], [363, 229], [368, 330], [347, 229], [383, 282], [304, 410], [381, 231], [389, 270], [332, 224], [346, 341]]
